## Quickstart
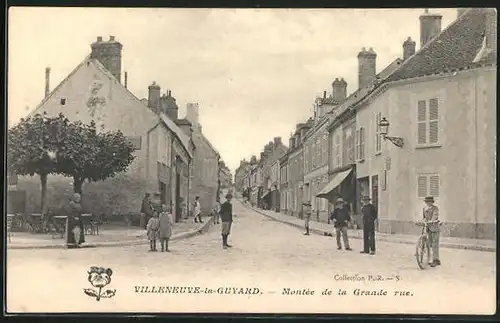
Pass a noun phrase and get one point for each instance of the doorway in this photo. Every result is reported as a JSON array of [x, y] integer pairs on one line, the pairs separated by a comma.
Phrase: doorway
[[178, 202]]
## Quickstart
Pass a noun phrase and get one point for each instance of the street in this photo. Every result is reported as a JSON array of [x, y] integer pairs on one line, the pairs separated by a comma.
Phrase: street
[[271, 258]]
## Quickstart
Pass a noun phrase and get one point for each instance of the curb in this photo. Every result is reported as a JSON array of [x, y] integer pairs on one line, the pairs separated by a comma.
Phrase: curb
[[180, 236], [321, 232]]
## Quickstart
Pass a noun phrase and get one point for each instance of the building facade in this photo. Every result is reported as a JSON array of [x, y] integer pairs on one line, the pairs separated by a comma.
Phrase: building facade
[[92, 92], [283, 182]]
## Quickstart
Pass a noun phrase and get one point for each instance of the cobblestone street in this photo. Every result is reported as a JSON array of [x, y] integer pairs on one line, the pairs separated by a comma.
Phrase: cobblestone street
[[266, 255]]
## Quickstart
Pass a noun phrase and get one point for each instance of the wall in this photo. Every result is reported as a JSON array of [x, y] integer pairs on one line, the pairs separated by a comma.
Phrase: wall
[[464, 157]]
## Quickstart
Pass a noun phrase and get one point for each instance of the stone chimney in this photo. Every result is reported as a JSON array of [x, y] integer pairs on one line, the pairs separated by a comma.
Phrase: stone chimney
[[277, 142], [367, 69], [125, 79], [291, 141], [193, 114], [154, 97], [430, 26], [185, 126], [109, 53], [253, 160], [47, 81], [339, 90], [408, 48], [270, 146], [169, 106]]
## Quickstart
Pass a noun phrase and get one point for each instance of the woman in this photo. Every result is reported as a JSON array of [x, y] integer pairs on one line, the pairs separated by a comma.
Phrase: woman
[[74, 223]]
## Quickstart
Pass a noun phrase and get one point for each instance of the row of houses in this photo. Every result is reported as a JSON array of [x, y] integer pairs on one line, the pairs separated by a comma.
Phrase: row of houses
[[425, 125], [174, 160]]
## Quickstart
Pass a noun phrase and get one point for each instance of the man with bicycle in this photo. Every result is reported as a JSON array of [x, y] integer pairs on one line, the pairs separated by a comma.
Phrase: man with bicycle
[[431, 215]]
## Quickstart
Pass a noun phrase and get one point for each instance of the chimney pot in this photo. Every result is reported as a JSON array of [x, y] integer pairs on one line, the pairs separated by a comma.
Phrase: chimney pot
[[339, 90], [154, 94], [109, 54], [408, 48], [111, 38], [99, 38]]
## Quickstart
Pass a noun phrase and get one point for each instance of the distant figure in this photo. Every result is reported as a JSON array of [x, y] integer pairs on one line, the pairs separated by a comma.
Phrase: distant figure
[[217, 212], [341, 217], [306, 207], [152, 227], [75, 235], [165, 227], [197, 210], [146, 210], [369, 219], [431, 213], [226, 216]]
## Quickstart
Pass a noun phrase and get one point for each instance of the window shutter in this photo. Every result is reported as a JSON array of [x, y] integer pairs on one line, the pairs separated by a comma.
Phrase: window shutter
[[357, 145], [434, 185], [421, 122], [377, 132], [422, 186], [433, 121], [362, 143]]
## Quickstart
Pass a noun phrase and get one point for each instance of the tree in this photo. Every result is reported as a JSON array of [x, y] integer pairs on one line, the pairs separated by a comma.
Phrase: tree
[[32, 147], [94, 156]]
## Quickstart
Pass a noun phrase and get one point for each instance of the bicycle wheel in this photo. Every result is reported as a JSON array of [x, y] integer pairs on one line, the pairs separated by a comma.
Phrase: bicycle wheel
[[422, 253]]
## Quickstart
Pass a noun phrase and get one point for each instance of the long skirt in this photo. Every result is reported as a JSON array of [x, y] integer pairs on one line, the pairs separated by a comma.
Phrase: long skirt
[[75, 234]]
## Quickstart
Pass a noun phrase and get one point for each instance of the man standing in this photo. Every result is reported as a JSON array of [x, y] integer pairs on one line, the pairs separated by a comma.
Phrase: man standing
[[226, 216], [146, 210], [431, 214], [197, 210], [341, 218], [306, 207], [369, 222]]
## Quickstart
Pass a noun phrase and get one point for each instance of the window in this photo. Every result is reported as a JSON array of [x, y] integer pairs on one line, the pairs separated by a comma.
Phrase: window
[[360, 144], [136, 141], [378, 139], [337, 150], [428, 122], [313, 153], [428, 185], [63, 101]]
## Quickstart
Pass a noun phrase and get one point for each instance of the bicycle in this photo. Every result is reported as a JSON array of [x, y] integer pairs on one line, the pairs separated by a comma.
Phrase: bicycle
[[423, 246]]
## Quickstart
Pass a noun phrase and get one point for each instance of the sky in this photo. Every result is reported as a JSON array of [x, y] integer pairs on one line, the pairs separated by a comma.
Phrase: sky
[[254, 72]]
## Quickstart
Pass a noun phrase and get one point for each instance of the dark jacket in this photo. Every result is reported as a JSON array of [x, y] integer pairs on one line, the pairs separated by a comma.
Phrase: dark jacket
[[147, 207], [369, 216], [341, 217], [226, 212]]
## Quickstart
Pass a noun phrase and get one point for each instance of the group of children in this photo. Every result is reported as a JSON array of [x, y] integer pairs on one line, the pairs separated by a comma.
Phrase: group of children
[[159, 227]]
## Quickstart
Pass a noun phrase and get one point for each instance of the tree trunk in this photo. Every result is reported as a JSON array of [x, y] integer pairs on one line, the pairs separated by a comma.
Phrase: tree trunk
[[43, 179], [77, 185]]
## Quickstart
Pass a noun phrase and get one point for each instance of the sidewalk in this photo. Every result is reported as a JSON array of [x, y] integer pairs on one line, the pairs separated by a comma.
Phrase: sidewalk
[[324, 228], [109, 236]]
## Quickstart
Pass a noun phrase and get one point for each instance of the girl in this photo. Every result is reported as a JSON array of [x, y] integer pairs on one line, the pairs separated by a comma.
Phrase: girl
[[165, 227], [152, 227]]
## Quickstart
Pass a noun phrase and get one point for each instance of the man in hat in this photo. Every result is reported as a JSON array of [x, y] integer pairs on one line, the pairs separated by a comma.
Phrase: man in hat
[[431, 214], [341, 217], [146, 210], [369, 222], [306, 209], [226, 216]]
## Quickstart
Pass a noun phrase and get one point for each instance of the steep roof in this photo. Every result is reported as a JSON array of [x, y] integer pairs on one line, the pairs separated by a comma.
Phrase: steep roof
[[454, 48], [177, 131]]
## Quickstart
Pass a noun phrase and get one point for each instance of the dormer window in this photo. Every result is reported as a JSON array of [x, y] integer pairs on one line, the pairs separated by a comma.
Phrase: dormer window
[[63, 101]]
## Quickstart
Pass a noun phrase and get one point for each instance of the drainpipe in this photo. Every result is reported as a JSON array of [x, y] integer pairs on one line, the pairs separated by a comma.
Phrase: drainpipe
[[475, 156]]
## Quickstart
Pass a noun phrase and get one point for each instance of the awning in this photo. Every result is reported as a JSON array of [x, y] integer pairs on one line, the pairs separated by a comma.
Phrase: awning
[[336, 181]]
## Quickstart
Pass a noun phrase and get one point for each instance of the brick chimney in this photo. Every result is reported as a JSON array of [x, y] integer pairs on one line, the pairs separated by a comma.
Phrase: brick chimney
[[154, 97], [169, 106], [366, 67], [125, 79], [277, 142], [430, 26], [488, 50], [109, 53], [408, 48], [339, 90], [47, 81]]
